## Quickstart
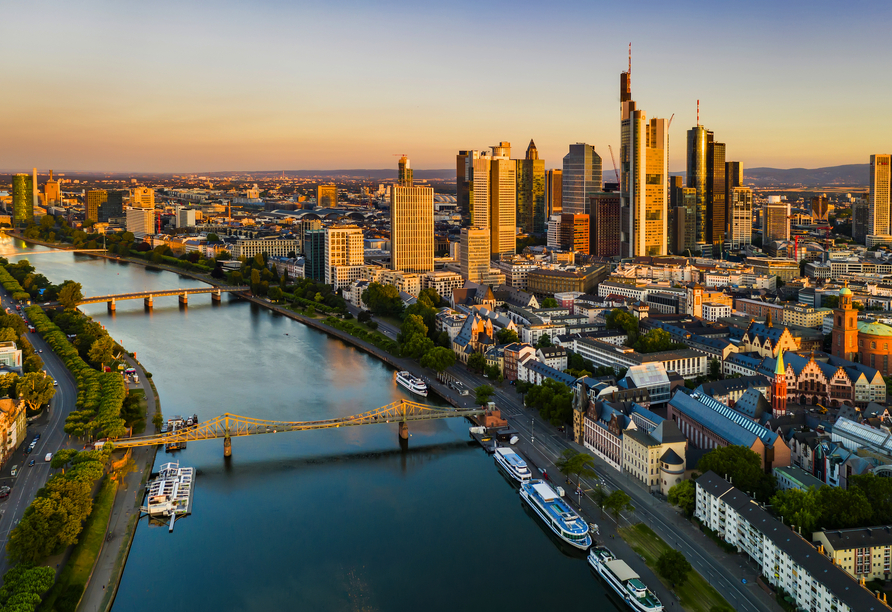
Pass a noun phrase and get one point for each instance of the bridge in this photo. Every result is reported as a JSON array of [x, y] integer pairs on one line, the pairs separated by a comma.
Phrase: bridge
[[149, 296], [229, 426], [55, 251]]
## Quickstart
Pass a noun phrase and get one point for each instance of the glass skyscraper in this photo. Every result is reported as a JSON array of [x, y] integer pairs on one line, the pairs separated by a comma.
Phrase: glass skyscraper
[[581, 178], [22, 199], [531, 213]]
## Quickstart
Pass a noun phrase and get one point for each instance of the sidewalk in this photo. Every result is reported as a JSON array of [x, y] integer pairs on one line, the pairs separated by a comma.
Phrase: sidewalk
[[103, 583]]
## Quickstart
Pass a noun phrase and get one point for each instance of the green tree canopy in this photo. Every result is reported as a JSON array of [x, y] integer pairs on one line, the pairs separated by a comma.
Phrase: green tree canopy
[[684, 495], [673, 566], [483, 394], [798, 507], [35, 390], [617, 503], [476, 362], [62, 458], [742, 466], [507, 336], [102, 351], [383, 300], [70, 294], [549, 302], [878, 491], [438, 359], [553, 400], [574, 463], [624, 321]]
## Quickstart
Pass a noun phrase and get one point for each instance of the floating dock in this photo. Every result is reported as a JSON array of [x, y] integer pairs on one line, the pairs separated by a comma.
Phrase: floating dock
[[174, 424], [170, 494]]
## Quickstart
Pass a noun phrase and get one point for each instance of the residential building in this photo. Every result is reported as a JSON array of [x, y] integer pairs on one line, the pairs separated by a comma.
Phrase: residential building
[[185, 217], [13, 426], [865, 553], [554, 186], [794, 477], [740, 217], [713, 311], [775, 220], [553, 356], [22, 199], [880, 221], [687, 363], [95, 199], [326, 196], [531, 190], [789, 562], [142, 197], [442, 281], [343, 249], [314, 252], [411, 225], [141, 221], [581, 178], [767, 340], [513, 354]]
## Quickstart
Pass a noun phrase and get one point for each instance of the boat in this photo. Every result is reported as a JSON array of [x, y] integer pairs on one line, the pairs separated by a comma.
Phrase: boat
[[412, 383], [513, 464], [623, 580], [556, 513]]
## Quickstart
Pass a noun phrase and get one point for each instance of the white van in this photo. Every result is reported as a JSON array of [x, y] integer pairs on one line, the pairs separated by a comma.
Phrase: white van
[[48, 458]]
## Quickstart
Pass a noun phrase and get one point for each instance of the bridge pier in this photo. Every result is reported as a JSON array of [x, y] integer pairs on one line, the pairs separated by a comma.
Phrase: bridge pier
[[111, 306], [184, 299], [404, 430], [148, 302], [227, 446], [217, 297]]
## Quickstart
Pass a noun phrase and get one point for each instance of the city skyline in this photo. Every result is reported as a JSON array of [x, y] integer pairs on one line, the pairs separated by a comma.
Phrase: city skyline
[[261, 86]]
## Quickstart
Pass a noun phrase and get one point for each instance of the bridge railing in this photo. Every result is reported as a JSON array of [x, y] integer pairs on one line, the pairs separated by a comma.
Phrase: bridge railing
[[139, 294]]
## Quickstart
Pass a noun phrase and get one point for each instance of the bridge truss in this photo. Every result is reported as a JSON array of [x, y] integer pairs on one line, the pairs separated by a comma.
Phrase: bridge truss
[[228, 426]]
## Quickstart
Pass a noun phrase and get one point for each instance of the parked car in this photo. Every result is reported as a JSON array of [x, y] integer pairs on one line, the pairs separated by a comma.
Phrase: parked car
[[31, 463], [14, 471], [4, 492]]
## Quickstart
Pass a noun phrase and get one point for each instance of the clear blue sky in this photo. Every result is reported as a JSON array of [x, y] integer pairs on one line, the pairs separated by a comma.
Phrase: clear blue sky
[[190, 85]]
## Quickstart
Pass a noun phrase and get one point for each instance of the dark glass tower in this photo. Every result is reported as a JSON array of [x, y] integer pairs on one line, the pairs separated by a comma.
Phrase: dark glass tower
[[715, 191], [531, 213], [696, 175]]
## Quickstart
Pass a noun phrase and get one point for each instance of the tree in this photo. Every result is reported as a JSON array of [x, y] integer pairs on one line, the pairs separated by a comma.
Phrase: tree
[[573, 462], [544, 341], [742, 465], [599, 496], [383, 299], [412, 325], [102, 351], [35, 390], [217, 272], [553, 400], [617, 503], [417, 346], [62, 458], [482, 394], [476, 362], [275, 294], [673, 566], [625, 321], [213, 237], [70, 294], [507, 336], [549, 303], [843, 508], [656, 340], [429, 297], [158, 420], [684, 495], [714, 368], [878, 492], [364, 317], [798, 507], [493, 371], [23, 585], [438, 359]]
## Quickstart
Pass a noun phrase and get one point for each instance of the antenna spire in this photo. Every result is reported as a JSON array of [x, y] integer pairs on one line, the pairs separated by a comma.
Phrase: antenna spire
[[698, 113], [630, 64]]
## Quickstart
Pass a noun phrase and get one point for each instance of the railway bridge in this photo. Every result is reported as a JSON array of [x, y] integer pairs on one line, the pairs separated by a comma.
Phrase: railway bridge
[[148, 297], [228, 426]]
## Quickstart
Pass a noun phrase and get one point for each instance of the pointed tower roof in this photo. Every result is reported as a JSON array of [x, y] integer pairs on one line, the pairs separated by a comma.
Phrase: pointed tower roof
[[779, 366], [532, 151]]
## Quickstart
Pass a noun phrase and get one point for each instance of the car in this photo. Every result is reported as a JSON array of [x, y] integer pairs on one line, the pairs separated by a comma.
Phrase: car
[[39, 350], [28, 450], [14, 471], [55, 383], [4, 492], [37, 436], [31, 463]]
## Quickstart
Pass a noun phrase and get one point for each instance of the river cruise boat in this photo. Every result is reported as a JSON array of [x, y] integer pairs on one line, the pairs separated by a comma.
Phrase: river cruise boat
[[513, 464], [556, 513], [623, 580], [412, 383]]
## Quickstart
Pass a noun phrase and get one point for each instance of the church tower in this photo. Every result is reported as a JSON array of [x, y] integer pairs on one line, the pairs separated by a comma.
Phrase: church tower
[[779, 387], [845, 326]]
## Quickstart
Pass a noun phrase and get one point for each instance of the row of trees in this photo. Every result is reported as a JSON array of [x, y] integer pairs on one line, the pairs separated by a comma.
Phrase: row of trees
[[553, 400], [867, 501]]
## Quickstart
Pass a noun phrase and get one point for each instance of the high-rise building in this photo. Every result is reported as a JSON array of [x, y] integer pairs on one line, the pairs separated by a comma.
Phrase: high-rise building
[[113, 207], [715, 191], [95, 198], [326, 196], [733, 178], [531, 200], [820, 208], [300, 231], [554, 185], [477, 168], [142, 197], [676, 184], [314, 253], [474, 255], [861, 218], [574, 233], [682, 225], [462, 183], [604, 232], [553, 238], [35, 198], [185, 217], [581, 178], [52, 191], [141, 221], [740, 206], [22, 199], [775, 220], [404, 174], [879, 223], [503, 202], [344, 255], [411, 224]]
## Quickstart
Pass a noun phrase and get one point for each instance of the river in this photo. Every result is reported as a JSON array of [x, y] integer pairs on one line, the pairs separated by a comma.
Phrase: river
[[339, 520]]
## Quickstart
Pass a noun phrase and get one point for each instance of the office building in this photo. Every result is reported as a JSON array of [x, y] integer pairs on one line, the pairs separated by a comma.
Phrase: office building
[[740, 207], [113, 207], [553, 238], [463, 183], [715, 192], [733, 178], [503, 202], [22, 199], [185, 217], [554, 185], [52, 191], [531, 200], [581, 178], [574, 233], [605, 229], [861, 218], [820, 208], [645, 181], [404, 173], [344, 255], [775, 220], [879, 221], [696, 177], [314, 253], [95, 199], [141, 221], [477, 168], [326, 196], [411, 224], [474, 255], [142, 197]]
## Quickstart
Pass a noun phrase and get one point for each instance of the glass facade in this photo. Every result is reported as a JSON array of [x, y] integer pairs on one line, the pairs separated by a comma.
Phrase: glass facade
[[696, 159], [581, 177], [531, 196], [22, 199]]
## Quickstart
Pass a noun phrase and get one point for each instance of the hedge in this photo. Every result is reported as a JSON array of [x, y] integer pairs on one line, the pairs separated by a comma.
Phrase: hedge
[[100, 395]]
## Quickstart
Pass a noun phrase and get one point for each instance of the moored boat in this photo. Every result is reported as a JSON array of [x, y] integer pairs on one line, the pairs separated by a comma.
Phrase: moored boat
[[623, 580], [412, 383], [513, 464], [556, 513]]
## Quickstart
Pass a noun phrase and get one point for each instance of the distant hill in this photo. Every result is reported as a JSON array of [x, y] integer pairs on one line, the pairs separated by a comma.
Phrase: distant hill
[[855, 175], [379, 174]]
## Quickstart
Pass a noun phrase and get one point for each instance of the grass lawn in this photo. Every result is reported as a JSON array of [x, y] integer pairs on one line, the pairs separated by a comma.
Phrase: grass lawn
[[74, 575], [696, 595]]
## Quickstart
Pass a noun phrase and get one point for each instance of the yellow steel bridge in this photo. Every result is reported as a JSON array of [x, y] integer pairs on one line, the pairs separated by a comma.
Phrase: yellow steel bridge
[[228, 426]]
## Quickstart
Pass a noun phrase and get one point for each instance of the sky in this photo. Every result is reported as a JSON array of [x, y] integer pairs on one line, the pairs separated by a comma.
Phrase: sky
[[215, 85]]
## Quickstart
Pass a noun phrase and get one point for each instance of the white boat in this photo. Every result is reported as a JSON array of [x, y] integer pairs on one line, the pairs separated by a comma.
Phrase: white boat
[[623, 580], [513, 464], [412, 383], [556, 513]]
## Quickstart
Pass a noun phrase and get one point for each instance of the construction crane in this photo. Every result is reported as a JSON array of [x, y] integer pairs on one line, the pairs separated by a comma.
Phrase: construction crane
[[669, 125], [615, 171]]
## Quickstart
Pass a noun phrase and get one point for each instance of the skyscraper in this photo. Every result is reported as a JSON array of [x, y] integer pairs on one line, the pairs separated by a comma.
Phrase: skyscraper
[[462, 184], [554, 185], [326, 196], [696, 174], [604, 211], [344, 255], [411, 224], [775, 220], [113, 208], [879, 223], [474, 254], [95, 198], [22, 199], [574, 233], [503, 201], [477, 166], [52, 191], [860, 218], [314, 253], [820, 206], [404, 172], [715, 191], [531, 206], [581, 178], [142, 197], [740, 206], [733, 178]]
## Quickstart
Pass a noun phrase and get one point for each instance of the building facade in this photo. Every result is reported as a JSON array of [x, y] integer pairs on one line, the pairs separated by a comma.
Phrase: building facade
[[531, 192], [412, 228], [581, 178]]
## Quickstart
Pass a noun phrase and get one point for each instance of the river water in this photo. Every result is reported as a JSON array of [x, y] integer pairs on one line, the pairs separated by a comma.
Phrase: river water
[[339, 520]]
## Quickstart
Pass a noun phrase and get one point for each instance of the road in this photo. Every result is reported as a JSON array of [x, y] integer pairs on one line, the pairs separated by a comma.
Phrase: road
[[52, 438]]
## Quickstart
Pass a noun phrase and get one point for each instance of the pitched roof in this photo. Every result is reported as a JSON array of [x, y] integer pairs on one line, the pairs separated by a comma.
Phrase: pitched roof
[[727, 423], [668, 432]]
